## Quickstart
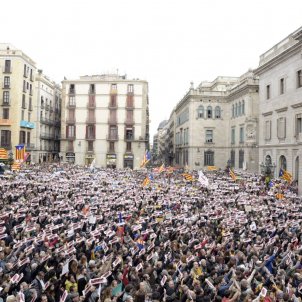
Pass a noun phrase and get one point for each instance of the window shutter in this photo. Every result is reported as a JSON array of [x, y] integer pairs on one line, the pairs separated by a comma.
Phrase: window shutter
[[66, 131]]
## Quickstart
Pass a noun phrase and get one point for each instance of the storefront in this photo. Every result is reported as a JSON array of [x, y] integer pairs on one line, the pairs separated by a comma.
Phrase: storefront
[[111, 161], [128, 161], [89, 159], [70, 157]]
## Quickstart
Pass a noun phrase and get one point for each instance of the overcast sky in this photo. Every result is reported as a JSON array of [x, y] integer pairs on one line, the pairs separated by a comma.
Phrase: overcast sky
[[169, 43]]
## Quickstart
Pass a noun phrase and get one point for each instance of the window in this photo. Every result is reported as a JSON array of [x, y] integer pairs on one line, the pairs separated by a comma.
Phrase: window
[[298, 123], [6, 82], [28, 138], [299, 78], [282, 86], [29, 116], [31, 75], [5, 138], [236, 110], [209, 136], [111, 147], [24, 86], [22, 137], [22, 115], [72, 101], [217, 112], [90, 146], [130, 101], [243, 108], [5, 97], [23, 101], [5, 113], [268, 87], [71, 89], [90, 132], [239, 109], [209, 158], [30, 106], [113, 132], [7, 66], [209, 112], [200, 112], [267, 130], [92, 88], [129, 134], [70, 131], [233, 158], [241, 159], [241, 135], [281, 127], [129, 116], [113, 87], [233, 136], [130, 88], [113, 100], [24, 71], [128, 147], [233, 111]]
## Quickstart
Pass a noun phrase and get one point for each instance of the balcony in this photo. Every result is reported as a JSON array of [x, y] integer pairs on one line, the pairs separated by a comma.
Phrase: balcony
[[112, 137], [70, 120], [6, 145], [129, 122], [112, 106], [42, 106], [90, 120], [91, 105], [26, 124], [47, 107], [5, 102], [30, 147], [7, 69], [129, 137], [71, 105], [90, 137], [6, 86], [46, 136], [112, 121], [5, 122], [71, 92], [46, 121]]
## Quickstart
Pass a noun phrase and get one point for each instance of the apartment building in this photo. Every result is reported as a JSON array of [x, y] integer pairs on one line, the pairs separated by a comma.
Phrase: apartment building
[[280, 106], [47, 109], [105, 118], [17, 76]]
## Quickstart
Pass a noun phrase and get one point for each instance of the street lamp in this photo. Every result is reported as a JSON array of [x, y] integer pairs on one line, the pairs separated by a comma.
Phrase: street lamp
[[10, 159]]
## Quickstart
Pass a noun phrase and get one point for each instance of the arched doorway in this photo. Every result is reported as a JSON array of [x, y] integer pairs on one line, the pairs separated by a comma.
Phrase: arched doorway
[[297, 169], [282, 162]]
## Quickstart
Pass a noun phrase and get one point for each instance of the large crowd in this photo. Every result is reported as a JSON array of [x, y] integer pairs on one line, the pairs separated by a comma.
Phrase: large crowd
[[69, 233]]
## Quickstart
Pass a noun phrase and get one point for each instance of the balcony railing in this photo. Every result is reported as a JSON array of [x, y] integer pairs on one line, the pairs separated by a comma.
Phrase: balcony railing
[[112, 105], [5, 102], [47, 107], [129, 137], [47, 121], [46, 136], [30, 147], [6, 86], [91, 105], [71, 105], [5, 122], [70, 120], [129, 121], [90, 137], [112, 137], [112, 121], [72, 91], [5, 145], [90, 120], [7, 69]]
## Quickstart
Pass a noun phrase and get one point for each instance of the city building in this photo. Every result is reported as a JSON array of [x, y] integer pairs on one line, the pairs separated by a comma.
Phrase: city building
[[47, 109], [280, 106], [105, 118], [17, 76]]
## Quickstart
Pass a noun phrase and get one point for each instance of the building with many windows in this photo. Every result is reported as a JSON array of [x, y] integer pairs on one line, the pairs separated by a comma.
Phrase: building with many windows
[[48, 98], [17, 76], [280, 106], [106, 118]]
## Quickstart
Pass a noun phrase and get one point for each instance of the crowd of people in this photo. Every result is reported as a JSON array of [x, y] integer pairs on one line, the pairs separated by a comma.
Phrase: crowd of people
[[71, 234]]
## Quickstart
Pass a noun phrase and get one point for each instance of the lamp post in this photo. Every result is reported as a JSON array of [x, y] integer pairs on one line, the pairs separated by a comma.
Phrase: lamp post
[[268, 170], [10, 159]]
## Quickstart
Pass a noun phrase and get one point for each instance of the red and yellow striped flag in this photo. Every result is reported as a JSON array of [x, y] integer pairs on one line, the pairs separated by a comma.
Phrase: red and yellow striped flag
[[20, 152], [188, 176], [232, 174], [146, 181]]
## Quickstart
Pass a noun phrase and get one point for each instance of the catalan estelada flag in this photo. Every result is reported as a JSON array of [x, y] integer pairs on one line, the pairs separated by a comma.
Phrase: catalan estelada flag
[[212, 168], [161, 168], [3, 153], [188, 176], [20, 152], [146, 181], [285, 175], [232, 174], [146, 159]]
